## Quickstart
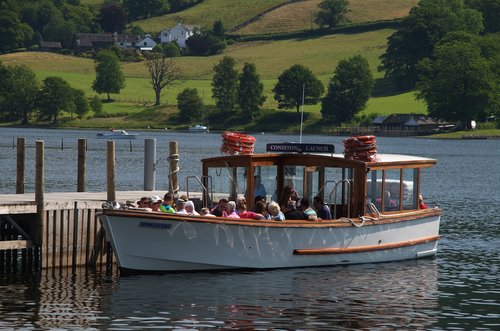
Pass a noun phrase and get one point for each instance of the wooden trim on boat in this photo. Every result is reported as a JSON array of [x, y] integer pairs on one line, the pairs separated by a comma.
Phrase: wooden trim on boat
[[338, 223], [362, 249]]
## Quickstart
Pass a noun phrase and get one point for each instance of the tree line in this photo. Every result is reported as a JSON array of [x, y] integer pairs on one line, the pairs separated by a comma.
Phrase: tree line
[[23, 97], [24, 24]]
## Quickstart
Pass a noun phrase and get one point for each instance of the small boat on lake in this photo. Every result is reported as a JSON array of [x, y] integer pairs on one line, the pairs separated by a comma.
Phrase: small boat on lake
[[198, 128], [375, 215], [118, 134]]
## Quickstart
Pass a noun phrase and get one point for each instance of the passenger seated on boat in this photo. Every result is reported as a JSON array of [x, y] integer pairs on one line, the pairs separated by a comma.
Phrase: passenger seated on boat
[[205, 212], [257, 199], [288, 194], [220, 208], [322, 210], [168, 201], [261, 208], [421, 202], [388, 202], [293, 213], [258, 188], [243, 213], [180, 207], [274, 210], [190, 208], [144, 203], [231, 210], [306, 208], [155, 203], [240, 201]]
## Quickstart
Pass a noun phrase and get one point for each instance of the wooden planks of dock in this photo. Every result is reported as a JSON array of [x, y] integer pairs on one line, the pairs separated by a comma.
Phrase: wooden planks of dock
[[71, 233]]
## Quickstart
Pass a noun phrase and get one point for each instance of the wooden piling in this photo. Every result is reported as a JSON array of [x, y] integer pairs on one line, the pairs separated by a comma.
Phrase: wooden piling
[[40, 203], [21, 157], [82, 148], [173, 182], [111, 171]]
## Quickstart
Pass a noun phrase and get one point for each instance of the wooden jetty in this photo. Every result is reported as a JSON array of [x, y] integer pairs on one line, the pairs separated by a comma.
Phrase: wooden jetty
[[41, 230]]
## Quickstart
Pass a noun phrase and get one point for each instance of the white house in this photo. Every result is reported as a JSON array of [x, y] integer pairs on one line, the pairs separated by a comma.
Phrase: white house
[[146, 44], [179, 33]]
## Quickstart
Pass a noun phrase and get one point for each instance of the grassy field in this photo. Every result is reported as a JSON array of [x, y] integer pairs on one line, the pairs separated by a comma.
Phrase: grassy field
[[297, 16], [294, 16], [230, 12]]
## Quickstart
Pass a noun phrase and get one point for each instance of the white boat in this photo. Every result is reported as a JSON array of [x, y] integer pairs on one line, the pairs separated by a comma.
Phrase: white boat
[[366, 226], [118, 134], [198, 128]]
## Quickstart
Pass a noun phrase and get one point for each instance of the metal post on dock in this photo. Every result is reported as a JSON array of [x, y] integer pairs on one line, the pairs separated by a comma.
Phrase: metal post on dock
[[173, 183], [149, 164], [82, 148], [21, 156], [111, 171], [39, 197]]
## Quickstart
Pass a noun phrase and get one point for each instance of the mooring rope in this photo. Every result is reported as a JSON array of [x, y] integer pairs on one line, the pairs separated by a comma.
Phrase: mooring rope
[[173, 157]]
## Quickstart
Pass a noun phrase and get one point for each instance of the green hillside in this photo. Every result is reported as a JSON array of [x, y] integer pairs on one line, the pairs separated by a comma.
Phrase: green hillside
[[320, 54], [230, 12]]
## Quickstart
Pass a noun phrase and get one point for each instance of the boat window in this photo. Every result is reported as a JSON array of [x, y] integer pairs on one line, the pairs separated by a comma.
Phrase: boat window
[[294, 178], [267, 176], [410, 180], [332, 187], [392, 190], [227, 182], [374, 188]]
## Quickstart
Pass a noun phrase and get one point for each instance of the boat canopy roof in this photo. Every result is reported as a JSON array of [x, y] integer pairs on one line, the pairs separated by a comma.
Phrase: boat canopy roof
[[383, 160]]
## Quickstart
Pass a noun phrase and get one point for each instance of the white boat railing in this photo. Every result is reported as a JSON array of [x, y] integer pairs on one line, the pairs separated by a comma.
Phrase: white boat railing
[[205, 191]]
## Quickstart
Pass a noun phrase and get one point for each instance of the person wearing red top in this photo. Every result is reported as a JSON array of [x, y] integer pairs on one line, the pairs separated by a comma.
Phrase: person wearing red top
[[243, 213], [421, 202]]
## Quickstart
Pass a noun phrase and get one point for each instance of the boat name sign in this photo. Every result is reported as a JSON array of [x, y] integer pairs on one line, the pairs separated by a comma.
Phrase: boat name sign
[[155, 225], [300, 148]]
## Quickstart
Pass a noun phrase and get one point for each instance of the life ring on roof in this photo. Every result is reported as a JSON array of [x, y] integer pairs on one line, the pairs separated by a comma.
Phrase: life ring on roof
[[362, 148], [234, 143]]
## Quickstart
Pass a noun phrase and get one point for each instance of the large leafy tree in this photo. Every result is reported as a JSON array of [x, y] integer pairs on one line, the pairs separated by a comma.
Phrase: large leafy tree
[[426, 24], [109, 76], [55, 96], [250, 91], [332, 12], [207, 42], [112, 17], [145, 8], [190, 105], [164, 72], [225, 84], [349, 90], [296, 85], [490, 10], [59, 29], [457, 83], [81, 103], [13, 33], [21, 93]]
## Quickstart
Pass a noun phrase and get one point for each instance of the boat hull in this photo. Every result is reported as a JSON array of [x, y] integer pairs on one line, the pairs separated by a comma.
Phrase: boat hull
[[148, 242]]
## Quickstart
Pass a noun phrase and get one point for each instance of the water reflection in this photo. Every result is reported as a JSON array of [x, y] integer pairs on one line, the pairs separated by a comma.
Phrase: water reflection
[[368, 296]]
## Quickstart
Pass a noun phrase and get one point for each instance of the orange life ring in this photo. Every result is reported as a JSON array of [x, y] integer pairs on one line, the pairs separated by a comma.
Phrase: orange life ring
[[234, 143], [363, 138], [362, 148]]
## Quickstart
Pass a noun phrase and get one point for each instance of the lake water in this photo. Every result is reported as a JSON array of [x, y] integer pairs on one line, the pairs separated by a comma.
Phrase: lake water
[[459, 289]]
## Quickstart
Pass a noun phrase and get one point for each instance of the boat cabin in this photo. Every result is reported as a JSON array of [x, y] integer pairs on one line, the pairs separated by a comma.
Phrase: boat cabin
[[351, 188]]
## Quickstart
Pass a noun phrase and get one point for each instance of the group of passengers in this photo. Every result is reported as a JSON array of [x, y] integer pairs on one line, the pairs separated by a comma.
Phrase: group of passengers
[[290, 207]]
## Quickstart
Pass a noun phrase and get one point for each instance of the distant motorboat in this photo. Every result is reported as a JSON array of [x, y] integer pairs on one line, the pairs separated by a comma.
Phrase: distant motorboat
[[117, 134], [198, 128]]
